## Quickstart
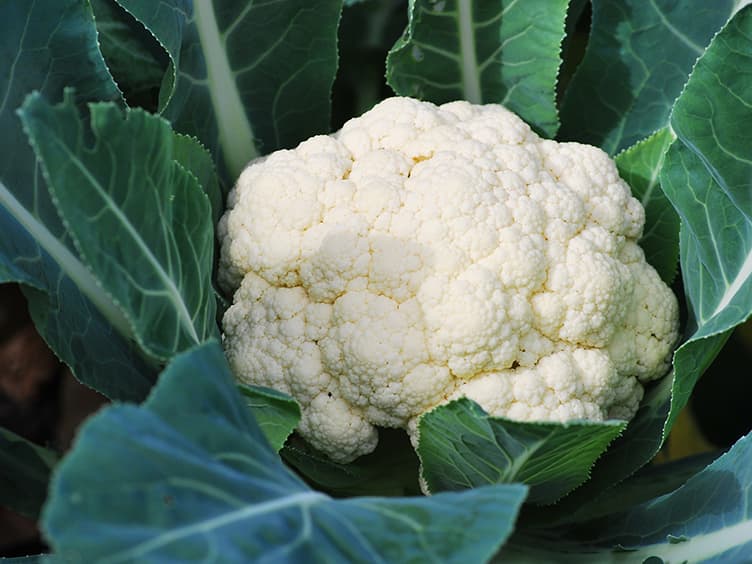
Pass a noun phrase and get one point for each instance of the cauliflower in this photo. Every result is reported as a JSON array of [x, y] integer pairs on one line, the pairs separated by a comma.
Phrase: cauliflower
[[424, 253]]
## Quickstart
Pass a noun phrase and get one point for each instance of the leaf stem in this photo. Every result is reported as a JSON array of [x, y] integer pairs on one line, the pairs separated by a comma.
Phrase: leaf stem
[[235, 134]]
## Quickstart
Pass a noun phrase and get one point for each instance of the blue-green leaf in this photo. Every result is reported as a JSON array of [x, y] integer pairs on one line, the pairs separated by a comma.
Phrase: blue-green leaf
[[140, 221], [503, 52], [246, 78], [461, 447], [708, 519], [47, 45], [189, 475], [639, 56], [707, 178]]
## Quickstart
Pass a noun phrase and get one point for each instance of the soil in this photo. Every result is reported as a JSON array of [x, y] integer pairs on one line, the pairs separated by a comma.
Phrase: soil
[[39, 400]]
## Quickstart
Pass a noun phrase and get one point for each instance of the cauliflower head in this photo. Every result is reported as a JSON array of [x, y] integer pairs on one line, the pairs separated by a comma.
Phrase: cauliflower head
[[424, 253]]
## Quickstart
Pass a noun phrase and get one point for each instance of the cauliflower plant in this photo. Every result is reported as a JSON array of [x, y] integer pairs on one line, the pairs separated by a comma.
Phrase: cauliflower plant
[[424, 253]]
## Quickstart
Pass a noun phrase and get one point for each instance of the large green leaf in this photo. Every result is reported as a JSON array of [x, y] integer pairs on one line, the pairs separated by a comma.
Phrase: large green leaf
[[246, 78], [639, 56], [25, 470], [189, 475], [47, 45], [503, 52], [707, 178], [708, 519], [138, 218], [640, 166], [461, 446]]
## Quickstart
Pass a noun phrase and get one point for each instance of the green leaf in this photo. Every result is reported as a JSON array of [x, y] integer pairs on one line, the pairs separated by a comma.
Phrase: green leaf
[[25, 470], [640, 166], [276, 413], [390, 470], [139, 220], [192, 156], [707, 519], [47, 45], [707, 178], [639, 56], [190, 475], [484, 52], [245, 78], [461, 446], [136, 60]]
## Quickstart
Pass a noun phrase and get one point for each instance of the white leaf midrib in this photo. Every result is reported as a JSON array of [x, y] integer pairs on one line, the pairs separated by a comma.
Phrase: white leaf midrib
[[699, 547], [744, 274], [236, 135], [468, 59]]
